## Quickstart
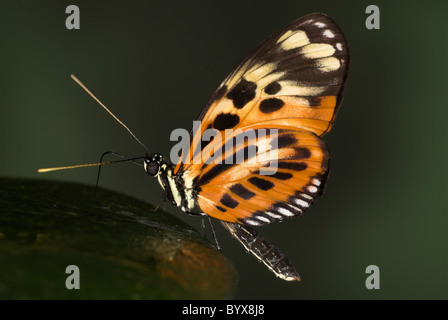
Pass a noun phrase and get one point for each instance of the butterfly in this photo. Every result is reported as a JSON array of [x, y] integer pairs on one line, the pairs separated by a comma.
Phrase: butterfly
[[292, 83], [277, 102]]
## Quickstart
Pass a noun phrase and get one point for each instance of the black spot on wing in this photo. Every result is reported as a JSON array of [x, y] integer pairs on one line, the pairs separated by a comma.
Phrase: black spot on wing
[[302, 153], [286, 140], [242, 93], [271, 105], [241, 191], [225, 121], [296, 166], [195, 185], [261, 183], [314, 101], [273, 88], [221, 209], [282, 175], [228, 201]]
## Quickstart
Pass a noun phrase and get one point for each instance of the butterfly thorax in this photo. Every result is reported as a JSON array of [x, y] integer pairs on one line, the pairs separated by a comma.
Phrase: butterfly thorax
[[179, 189]]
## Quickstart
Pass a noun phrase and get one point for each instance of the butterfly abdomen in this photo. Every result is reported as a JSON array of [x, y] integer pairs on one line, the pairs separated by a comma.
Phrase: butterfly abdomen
[[263, 250]]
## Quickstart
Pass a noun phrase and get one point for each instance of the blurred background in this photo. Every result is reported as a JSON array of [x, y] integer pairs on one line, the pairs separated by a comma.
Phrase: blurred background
[[155, 64]]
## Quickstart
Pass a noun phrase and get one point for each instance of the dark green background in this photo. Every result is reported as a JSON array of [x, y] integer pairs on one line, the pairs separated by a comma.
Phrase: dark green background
[[155, 66]]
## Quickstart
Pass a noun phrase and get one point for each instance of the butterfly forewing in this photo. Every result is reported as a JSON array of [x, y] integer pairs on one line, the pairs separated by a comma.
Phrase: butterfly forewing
[[296, 78]]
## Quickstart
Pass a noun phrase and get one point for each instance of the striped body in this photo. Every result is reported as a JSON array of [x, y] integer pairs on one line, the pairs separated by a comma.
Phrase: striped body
[[179, 191], [178, 188]]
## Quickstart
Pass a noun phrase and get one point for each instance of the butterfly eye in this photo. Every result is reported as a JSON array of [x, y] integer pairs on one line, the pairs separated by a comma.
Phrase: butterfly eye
[[157, 157], [151, 167]]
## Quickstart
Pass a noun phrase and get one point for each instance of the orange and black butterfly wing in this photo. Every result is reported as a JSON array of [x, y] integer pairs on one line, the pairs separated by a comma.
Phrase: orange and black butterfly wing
[[295, 78], [308, 59], [280, 179]]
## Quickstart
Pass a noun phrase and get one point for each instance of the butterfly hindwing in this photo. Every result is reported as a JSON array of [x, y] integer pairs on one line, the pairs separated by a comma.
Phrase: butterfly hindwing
[[280, 179]]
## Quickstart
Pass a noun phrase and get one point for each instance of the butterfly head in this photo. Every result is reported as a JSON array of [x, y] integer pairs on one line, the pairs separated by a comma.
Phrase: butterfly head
[[156, 166], [153, 164]]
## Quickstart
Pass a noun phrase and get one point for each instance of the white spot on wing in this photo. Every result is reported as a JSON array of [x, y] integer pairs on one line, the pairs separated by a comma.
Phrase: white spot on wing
[[259, 71], [339, 46], [312, 189], [290, 88], [328, 64], [252, 222], [301, 203], [296, 40], [263, 219], [320, 24], [274, 215], [306, 196], [328, 33], [318, 50], [285, 212], [316, 182], [286, 35]]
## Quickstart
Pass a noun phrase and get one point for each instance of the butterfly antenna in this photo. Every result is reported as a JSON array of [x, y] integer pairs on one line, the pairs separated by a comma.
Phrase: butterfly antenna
[[110, 112], [77, 166], [42, 170]]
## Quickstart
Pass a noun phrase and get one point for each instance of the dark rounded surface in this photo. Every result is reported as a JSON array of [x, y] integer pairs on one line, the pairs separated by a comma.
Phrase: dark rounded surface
[[242, 93], [271, 105], [122, 250], [225, 121], [273, 88]]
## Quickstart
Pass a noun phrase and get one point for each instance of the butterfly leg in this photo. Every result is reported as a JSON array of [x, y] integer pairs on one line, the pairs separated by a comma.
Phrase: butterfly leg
[[203, 217], [98, 179], [203, 227], [214, 234], [162, 200], [99, 171]]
